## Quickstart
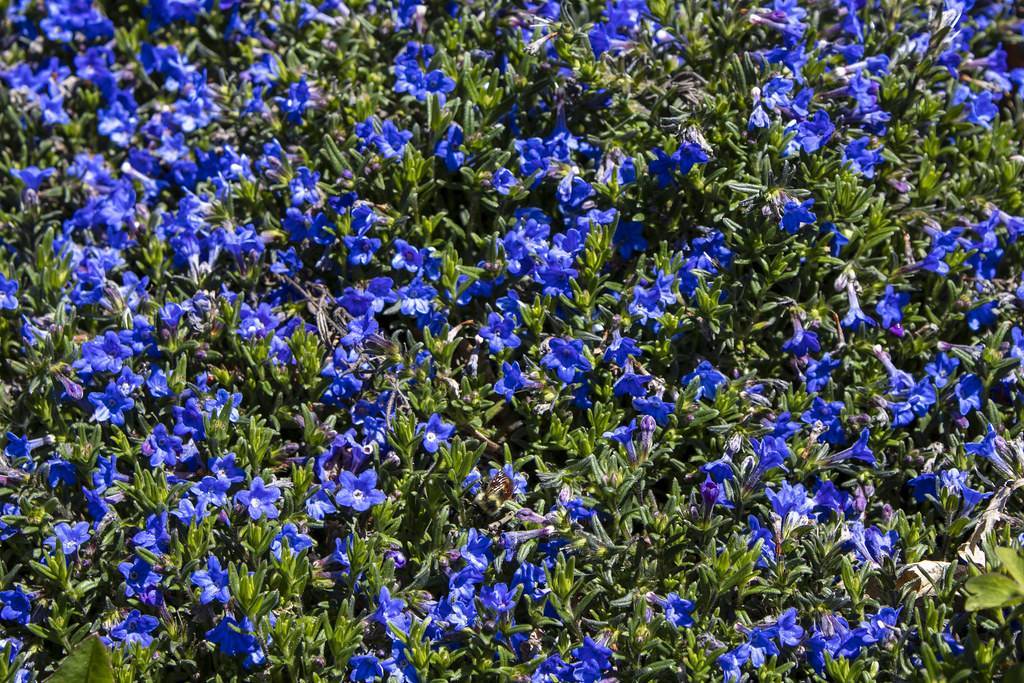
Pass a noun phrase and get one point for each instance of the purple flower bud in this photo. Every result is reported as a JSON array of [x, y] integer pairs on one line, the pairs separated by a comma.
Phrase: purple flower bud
[[710, 493], [396, 557], [647, 426]]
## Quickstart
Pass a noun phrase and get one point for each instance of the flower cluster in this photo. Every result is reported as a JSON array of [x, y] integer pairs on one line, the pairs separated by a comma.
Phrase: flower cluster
[[535, 341]]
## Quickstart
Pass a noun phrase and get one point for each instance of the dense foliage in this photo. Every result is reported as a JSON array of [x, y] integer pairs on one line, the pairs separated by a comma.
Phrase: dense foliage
[[510, 340]]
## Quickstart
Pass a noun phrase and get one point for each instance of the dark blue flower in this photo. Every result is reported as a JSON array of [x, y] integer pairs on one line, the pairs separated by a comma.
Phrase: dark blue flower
[[140, 578], [236, 639], [621, 349], [708, 380], [890, 309], [16, 606], [819, 372], [449, 149], [796, 214], [135, 629], [802, 343], [295, 103], [565, 357]]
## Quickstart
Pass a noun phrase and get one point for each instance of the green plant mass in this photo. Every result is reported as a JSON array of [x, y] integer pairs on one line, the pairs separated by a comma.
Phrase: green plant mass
[[523, 341]]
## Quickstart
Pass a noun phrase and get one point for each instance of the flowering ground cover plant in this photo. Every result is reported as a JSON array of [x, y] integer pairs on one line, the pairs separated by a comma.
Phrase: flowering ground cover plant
[[628, 340]]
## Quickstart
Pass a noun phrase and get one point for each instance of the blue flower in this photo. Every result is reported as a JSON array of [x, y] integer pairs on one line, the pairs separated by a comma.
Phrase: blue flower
[[71, 538], [360, 492], [788, 630], [8, 530], [303, 187], [296, 541], [827, 415], [436, 433], [869, 544], [477, 550], [259, 499], [790, 503], [771, 452], [361, 248], [500, 332], [32, 177], [631, 384], [890, 309], [862, 160], [135, 629], [686, 156], [594, 657], [61, 473], [364, 668], [511, 380], [621, 349], [411, 78], [942, 368], [813, 133], [8, 289], [993, 448], [212, 582], [919, 401], [802, 343], [19, 447], [16, 606], [449, 149], [968, 393], [140, 578], [678, 610], [407, 257], [236, 639], [856, 317], [572, 192], [624, 435], [858, 451], [708, 380], [257, 323], [566, 357], [796, 214], [819, 372], [162, 447], [655, 407], [503, 181], [389, 142], [500, 599], [295, 103], [982, 316], [319, 505]]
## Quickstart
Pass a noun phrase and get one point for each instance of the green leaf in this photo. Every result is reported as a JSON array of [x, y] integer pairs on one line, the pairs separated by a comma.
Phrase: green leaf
[[1012, 564], [993, 590], [87, 663]]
